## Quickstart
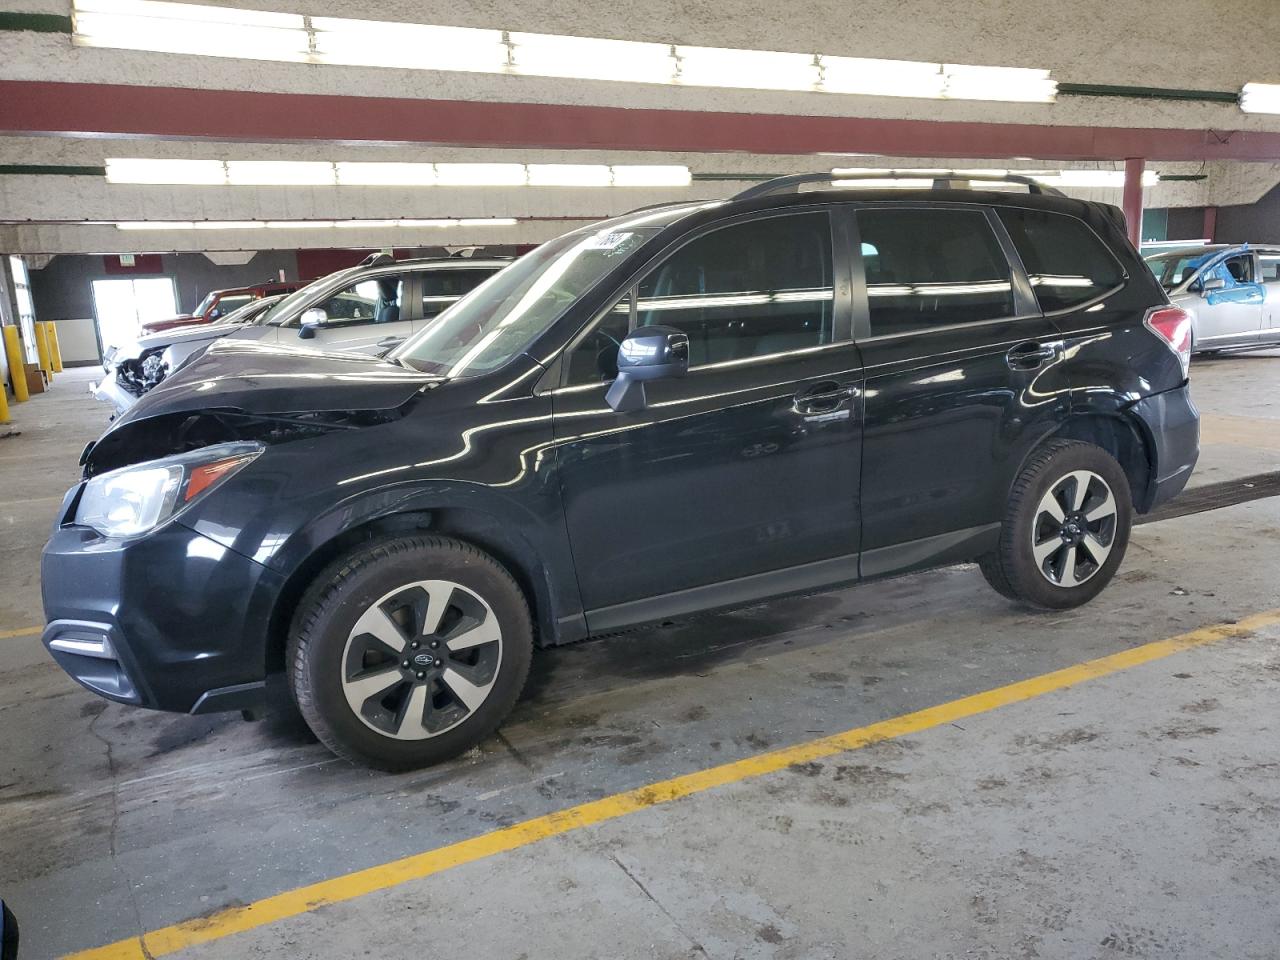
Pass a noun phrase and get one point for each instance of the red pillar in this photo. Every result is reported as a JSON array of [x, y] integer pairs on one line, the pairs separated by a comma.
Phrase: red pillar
[[1132, 202], [1210, 223]]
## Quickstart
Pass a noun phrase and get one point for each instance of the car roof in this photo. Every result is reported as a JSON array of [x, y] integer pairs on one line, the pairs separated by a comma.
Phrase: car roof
[[667, 214], [1206, 249], [444, 263]]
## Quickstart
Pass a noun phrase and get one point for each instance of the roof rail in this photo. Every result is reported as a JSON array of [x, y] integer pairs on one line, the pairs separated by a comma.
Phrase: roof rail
[[942, 180]]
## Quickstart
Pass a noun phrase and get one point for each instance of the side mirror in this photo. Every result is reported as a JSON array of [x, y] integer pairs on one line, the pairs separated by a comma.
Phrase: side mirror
[[648, 353], [8, 934], [311, 319], [1208, 286]]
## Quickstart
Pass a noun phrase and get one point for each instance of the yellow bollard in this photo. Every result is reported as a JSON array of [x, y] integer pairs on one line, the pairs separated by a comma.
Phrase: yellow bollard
[[55, 352], [42, 351], [4, 404], [17, 371]]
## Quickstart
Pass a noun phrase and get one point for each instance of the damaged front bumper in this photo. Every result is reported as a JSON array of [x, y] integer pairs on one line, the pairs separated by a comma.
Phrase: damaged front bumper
[[108, 390]]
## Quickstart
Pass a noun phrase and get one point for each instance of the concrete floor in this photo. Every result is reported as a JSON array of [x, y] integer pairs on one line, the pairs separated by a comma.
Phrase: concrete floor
[[1133, 815]]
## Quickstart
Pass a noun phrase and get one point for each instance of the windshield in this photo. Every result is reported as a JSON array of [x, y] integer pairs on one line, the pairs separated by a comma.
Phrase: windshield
[[499, 319], [1172, 269], [205, 304], [249, 312]]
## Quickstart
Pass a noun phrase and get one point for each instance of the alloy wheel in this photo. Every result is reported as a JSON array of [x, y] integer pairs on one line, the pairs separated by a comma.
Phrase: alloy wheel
[[422, 659], [1074, 528]]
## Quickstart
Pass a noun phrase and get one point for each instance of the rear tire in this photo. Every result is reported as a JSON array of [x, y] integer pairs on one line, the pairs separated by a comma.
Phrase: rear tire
[[1066, 528], [409, 652]]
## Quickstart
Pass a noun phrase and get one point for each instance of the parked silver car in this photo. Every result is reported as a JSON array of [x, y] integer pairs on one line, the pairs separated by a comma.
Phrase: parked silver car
[[365, 309], [1231, 292]]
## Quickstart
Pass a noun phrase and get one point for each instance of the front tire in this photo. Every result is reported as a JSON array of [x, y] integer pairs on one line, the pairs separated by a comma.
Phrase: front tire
[[1066, 528], [409, 652]]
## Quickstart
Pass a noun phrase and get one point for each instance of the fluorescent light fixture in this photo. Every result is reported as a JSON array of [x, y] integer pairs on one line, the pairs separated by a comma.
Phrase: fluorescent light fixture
[[355, 173], [1021, 84], [300, 224], [281, 173], [374, 224], [481, 174], [487, 222], [1098, 179], [754, 69], [364, 224], [386, 174], [569, 175], [657, 175], [190, 28], [201, 13], [130, 170], [228, 225], [378, 43], [1260, 98], [880, 171], [588, 58], [155, 225], [883, 78]]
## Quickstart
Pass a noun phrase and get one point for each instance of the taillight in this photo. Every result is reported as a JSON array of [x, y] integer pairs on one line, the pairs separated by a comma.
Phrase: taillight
[[1173, 326]]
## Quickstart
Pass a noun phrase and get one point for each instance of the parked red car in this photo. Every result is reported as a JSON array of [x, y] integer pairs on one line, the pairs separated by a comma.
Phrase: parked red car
[[218, 303]]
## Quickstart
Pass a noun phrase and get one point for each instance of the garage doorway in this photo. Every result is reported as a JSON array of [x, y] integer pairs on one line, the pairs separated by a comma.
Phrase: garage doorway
[[122, 306]]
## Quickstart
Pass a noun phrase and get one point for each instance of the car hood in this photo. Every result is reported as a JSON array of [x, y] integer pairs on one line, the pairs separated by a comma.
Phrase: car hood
[[256, 378], [195, 332]]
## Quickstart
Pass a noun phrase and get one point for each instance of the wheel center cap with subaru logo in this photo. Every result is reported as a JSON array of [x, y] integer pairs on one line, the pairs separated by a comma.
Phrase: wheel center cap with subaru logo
[[423, 659]]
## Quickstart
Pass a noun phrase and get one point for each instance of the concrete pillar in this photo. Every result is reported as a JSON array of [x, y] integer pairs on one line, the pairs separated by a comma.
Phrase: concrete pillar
[[1132, 202]]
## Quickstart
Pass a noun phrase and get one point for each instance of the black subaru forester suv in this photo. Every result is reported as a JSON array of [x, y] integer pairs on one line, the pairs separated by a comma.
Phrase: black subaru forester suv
[[692, 406]]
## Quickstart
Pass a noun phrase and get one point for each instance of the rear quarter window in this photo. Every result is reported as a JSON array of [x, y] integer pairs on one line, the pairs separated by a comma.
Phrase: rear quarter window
[[1067, 263]]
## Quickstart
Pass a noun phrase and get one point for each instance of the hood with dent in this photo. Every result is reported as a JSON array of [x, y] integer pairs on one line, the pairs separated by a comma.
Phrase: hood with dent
[[256, 378]]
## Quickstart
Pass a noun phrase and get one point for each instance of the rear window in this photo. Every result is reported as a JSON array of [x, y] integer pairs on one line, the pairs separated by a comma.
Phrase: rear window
[[442, 288], [1067, 263]]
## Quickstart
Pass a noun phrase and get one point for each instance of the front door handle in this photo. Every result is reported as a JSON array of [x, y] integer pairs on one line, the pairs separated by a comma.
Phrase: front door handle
[[1030, 355], [824, 397]]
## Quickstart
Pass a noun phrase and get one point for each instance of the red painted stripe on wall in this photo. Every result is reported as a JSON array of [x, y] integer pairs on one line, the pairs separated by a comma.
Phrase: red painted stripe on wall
[[37, 107]]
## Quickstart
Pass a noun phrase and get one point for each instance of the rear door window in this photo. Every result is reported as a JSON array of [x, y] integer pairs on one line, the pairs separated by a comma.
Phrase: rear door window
[[932, 267], [443, 288], [1269, 267], [1067, 263]]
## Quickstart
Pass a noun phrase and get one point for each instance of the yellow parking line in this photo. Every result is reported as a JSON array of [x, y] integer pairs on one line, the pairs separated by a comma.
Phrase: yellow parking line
[[21, 632], [302, 900]]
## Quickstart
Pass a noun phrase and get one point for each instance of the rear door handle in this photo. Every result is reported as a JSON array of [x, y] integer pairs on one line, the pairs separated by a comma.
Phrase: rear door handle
[[824, 397], [1030, 355]]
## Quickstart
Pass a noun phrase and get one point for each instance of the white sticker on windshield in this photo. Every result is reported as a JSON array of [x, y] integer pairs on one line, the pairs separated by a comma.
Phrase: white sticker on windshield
[[608, 241]]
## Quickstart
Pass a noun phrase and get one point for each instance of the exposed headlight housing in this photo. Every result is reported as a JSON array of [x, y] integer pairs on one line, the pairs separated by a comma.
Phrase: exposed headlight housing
[[136, 499]]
